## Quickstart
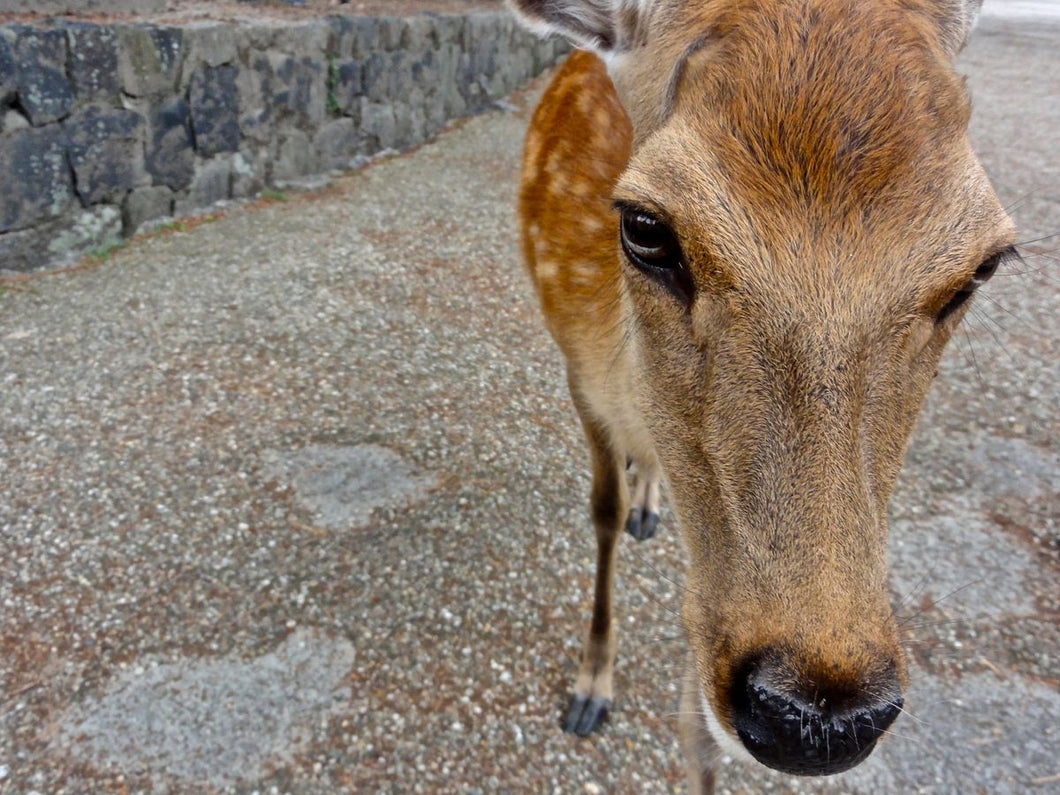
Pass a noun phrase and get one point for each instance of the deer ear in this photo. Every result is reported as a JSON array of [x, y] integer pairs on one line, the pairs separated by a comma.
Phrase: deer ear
[[956, 20], [602, 26]]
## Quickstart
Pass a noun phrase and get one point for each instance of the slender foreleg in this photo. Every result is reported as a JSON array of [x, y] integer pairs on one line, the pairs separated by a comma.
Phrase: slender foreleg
[[593, 689]]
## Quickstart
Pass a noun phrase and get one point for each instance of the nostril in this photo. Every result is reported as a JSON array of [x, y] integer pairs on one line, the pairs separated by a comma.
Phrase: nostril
[[804, 736], [869, 724]]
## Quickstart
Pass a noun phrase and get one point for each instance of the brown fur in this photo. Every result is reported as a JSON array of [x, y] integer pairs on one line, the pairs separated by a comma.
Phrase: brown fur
[[812, 158]]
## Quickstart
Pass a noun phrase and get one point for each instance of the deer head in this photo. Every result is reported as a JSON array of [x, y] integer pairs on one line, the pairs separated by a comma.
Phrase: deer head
[[801, 223]]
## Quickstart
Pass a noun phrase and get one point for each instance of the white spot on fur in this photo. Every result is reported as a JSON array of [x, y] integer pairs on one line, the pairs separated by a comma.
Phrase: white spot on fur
[[547, 269]]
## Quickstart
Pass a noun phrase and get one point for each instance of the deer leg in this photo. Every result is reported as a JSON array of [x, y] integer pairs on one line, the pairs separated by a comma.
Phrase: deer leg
[[643, 516], [701, 751], [593, 691]]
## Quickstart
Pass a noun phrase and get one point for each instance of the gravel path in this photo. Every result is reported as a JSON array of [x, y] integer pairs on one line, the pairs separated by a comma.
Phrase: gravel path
[[294, 501]]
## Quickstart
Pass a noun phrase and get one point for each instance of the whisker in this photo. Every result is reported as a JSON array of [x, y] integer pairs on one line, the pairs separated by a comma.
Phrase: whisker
[[654, 598], [945, 623], [1020, 201], [897, 736], [975, 361], [890, 702], [1007, 311], [921, 583], [680, 586], [1038, 239], [957, 590], [980, 314]]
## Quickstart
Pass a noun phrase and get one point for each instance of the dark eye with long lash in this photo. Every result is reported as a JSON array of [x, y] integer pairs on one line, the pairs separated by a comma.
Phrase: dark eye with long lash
[[648, 241], [981, 276], [651, 246]]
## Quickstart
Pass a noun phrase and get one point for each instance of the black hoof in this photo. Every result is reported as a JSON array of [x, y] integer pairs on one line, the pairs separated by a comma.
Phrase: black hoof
[[585, 714], [641, 525]]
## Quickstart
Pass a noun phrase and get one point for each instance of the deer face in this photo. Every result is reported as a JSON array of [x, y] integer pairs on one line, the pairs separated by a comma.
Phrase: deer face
[[801, 223]]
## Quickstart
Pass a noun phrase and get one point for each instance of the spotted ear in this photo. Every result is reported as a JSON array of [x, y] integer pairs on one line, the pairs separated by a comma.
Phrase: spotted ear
[[601, 26]]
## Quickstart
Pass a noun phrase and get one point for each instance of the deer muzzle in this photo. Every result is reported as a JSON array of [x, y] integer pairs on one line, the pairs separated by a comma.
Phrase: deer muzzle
[[810, 725]]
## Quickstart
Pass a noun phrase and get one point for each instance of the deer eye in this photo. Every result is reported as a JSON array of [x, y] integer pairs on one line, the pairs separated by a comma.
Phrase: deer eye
[[648, 242], [981, 276]]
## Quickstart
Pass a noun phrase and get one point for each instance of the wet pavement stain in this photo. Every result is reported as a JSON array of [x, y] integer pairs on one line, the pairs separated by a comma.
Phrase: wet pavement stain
[[341, 486], [212, 721]]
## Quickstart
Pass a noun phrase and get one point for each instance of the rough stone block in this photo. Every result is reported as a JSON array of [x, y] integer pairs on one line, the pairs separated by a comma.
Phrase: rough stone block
[[210, 45], [417, 114], [298, 86], [44, 91], [28, 248], [212, 182], [473, 29], [249, 171], [401, 66], [390, 31], [418, 34], [170, 157], [364, 38], [8, 77], [11, 120], [149, 59], [340, 29], [426, 71], [255, 100], [214, 105], [295, 157], [106, 152], [350, 37], [484, 59], [447, 29], [169, 44], [89, 229], [378, 127], [36, 176], [336, 143], [93, 61], [309, 90], [305, 40], [347, 85], [376, 77], [410, 121], [445, 59], [465, 83], [543, 55], [255, 38], [145, 204], [434, 113]]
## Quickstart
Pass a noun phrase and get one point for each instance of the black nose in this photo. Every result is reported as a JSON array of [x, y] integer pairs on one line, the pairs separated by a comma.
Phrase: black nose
[[829, 732]]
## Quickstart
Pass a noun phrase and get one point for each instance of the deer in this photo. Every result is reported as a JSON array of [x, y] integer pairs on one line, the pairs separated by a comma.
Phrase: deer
[[752, 227]]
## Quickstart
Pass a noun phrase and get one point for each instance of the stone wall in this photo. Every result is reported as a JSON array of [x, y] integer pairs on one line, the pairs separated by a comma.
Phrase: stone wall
[[103, 128], [81, 6]]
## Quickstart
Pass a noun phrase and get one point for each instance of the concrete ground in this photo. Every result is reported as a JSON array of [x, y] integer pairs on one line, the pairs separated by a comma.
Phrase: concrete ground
[[294, 501]]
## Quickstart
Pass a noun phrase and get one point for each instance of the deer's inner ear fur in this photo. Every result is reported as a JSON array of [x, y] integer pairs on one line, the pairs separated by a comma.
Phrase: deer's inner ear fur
[[645, 69], [953, 19], [605, 27], [961, 16]]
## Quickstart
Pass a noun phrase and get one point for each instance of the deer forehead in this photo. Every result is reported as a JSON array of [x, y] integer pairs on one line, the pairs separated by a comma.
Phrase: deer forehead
[[780, 170], [924, 229], [808, 102]]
